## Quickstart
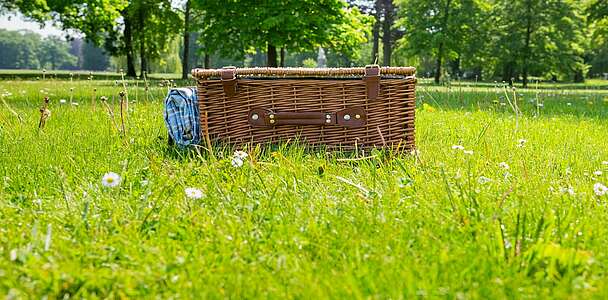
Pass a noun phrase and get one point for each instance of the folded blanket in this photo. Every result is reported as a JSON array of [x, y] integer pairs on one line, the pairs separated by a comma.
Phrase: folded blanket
[[182, 116]]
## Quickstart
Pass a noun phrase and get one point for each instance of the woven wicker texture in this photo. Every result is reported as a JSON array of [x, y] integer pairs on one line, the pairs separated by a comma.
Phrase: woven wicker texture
[[390, 117]]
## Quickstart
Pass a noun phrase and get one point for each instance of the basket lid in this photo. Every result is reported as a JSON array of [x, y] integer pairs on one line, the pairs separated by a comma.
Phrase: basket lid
[[304, 72]]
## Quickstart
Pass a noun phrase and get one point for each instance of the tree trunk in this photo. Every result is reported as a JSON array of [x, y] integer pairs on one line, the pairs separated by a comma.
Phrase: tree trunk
[[444, 29], [142, 44], [438, 64], [185, 60], [128, 39], [387, 32], [271, 56], [579, 76], [282, 63], [526, 53], [376, 32], [206, 61]]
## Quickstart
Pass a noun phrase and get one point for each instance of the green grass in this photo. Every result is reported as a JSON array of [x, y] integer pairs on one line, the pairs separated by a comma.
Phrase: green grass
[[294, 223]]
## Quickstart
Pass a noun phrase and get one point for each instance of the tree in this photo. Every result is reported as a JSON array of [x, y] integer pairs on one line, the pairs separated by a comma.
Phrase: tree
[[237, 27], [441, 28], [54, 53], [19, 49], [543, 37]]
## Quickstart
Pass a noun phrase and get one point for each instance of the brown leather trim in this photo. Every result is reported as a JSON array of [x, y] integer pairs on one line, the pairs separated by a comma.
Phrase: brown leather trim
[[229, 81], [350, 117], [372, 81]]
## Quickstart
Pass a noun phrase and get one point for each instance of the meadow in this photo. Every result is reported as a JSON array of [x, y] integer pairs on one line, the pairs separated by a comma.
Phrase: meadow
[[503, 199]]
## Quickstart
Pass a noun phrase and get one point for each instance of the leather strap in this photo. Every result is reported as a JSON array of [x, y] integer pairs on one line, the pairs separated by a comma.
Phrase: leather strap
[[372, 81], [229, 81], [350, 117]]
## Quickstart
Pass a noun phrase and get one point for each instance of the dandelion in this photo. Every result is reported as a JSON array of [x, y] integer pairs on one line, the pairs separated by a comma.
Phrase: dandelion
[[111, 180], [503, 165], [241, 154], [468, 152], [483, 180], [600, 189], [597, 173], [457, 147], [521, 143], [237, 162], [193, 193]]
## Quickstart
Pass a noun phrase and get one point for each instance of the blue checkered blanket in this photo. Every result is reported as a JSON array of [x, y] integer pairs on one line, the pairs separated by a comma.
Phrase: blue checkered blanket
[[182, 116]]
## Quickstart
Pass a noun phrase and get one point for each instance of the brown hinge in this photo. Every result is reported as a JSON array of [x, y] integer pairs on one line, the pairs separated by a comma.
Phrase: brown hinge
[[229, 81], [372, 81]]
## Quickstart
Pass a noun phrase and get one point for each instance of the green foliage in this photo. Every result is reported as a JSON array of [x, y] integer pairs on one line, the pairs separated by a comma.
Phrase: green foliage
[[27, 50], [236, 27]]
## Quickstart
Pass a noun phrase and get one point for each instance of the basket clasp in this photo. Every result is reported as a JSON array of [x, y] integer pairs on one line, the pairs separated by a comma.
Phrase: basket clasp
[[229, 81], [372, 81]]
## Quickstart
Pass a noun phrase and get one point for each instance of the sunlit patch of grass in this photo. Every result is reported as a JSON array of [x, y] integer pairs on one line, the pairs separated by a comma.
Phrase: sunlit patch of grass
[[288, 222]]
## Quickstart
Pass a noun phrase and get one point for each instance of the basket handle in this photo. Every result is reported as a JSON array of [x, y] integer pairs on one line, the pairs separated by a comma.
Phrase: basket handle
[[349, 117]]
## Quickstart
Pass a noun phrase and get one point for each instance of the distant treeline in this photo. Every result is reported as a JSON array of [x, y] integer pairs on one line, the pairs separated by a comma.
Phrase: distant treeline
[[28, 50]]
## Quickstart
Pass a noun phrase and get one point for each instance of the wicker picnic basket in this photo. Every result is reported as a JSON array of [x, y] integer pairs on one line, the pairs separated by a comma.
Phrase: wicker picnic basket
[[337, 108]]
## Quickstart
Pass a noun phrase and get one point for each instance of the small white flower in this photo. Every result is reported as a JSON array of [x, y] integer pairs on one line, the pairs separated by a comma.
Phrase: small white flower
[[75, 103], [521, 143], [483, 180], [193, 193], [241, 154], [503, 103], [457, 147], [605, 163], [567, 190], [597, 173], [111, 179], [63, 101], [144, 182], [504, 165], [540, 105], [468, 152], [237, 162], [569, 104], [600, 189]]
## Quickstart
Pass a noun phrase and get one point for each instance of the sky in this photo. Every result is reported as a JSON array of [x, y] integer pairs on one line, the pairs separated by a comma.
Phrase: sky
[[16, 22]]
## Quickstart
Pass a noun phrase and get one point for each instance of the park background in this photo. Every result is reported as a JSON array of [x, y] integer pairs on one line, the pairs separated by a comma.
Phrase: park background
[[481, 40], [504, 197]]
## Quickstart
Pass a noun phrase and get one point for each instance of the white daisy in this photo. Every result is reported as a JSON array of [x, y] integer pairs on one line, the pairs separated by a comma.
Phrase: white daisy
[[605, 163], [597, 173], [468, 152], [569, 104], [567, 190], [63, 101], [540, 105], [193, 193], [111, 179], [241, 154], [504, 165], [457, 147], [75, 103], [237, 162], [600, 189], [483, 180]]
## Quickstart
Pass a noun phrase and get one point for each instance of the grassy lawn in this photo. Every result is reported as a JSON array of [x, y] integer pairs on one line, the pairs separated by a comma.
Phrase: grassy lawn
[[517, 217]]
